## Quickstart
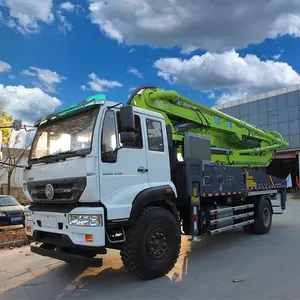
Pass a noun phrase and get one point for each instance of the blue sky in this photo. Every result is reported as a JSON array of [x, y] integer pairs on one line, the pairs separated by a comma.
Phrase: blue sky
[[50, 50]]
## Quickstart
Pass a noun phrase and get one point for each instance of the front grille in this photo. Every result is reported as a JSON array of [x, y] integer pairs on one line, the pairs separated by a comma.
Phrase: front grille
[[66, 190], [15, 213]]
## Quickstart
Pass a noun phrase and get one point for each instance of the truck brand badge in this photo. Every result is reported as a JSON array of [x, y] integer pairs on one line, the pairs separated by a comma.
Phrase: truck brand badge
[[49, 191]]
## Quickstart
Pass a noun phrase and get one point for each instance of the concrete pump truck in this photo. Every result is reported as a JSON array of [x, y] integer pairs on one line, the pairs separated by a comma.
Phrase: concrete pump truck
[[104, 175]]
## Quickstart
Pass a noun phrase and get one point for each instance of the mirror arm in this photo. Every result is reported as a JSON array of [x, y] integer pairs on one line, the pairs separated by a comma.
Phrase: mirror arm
[[28, 130], [117, 149], [110, 107]]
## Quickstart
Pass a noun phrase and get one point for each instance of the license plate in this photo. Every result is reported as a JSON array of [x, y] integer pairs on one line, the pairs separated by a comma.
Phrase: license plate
[[16, 219], [50, 222]]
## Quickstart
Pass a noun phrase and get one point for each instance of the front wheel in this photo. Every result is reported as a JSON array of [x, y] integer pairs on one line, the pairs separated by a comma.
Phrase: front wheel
[[152, 244]]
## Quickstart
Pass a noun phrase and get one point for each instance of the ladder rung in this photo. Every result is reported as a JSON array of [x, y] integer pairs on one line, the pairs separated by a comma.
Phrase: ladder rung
[[216, 231], [229, 209], [236, 217]]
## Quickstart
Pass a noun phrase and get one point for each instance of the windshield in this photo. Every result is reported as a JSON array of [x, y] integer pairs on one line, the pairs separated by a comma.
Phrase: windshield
[[8, 201], [68, 135]]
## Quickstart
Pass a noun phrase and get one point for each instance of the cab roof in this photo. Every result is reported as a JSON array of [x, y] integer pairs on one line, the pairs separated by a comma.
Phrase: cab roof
[[99, 99]]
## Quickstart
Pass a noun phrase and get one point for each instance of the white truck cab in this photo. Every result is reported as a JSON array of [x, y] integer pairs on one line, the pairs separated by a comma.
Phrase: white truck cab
[[86, 169]]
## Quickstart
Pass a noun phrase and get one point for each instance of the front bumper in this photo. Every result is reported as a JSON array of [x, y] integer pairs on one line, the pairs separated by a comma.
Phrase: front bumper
[[14, 220], [53, 228]]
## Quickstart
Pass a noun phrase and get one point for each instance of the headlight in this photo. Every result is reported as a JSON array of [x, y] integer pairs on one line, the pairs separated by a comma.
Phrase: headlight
[[85, 220], [2, 214], [28, 216]]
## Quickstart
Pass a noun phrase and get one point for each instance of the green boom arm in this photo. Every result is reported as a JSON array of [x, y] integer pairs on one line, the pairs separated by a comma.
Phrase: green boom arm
[[233, 141]]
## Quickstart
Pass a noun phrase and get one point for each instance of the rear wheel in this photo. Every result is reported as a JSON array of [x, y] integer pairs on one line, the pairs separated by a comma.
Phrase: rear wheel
[[264, 213], [249, 228], [152, 245], [263, 218]]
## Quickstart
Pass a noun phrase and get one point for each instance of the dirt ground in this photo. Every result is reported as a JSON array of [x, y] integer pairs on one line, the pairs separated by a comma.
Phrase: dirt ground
[[12, 233]]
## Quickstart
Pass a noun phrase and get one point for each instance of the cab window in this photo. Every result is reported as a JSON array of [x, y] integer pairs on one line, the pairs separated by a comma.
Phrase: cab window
[[155, 135], [109, 138]]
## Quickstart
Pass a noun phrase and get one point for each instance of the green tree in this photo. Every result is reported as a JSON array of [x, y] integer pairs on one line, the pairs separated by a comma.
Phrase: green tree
[[13, 155], [5, 120]]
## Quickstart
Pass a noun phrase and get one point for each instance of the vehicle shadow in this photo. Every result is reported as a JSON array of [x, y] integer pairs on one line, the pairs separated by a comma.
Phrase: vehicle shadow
[[194, 261]]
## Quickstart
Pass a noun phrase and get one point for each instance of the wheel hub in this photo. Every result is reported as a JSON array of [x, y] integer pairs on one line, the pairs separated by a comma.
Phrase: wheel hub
[[157, 244], [266, 217]]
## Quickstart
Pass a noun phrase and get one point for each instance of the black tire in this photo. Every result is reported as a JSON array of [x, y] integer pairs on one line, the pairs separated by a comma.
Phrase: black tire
[[263, 219], [152, 244], [249, 229]]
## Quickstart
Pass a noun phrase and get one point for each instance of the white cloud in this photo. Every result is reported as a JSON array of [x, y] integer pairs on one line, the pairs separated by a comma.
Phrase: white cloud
[[47, 79], [227, 97], [27, 73], [212, 95], [26, 15], [68, 6], [230, 71], [276, 56], [135, 72], [205, 24], [27, 103], [64, 25], [4, 66], [188, 49], [132, 50], [97, 84]]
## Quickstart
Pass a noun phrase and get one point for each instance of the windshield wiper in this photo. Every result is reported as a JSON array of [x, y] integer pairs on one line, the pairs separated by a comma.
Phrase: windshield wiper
[[42, 157], [71, 152], [60, 155]]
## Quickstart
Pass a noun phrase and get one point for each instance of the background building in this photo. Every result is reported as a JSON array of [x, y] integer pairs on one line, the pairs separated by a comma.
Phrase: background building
[[277, 110], [12, 156]]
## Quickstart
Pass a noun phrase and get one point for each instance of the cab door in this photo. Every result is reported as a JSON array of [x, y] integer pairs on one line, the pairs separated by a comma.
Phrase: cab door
[[124, 174], [157, 151]]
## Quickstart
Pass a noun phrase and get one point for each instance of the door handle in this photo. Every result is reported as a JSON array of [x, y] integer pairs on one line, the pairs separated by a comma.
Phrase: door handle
[[142, 170]]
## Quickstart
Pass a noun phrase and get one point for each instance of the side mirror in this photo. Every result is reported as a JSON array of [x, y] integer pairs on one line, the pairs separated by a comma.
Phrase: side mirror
[[17, 124], [127, 137], [127, 119]]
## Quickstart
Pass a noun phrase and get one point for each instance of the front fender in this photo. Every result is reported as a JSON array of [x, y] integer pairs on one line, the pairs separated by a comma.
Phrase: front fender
[[159, 196]]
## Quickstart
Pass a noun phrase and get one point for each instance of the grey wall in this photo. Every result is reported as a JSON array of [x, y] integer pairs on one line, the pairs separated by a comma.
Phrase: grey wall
[[279, 113]]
